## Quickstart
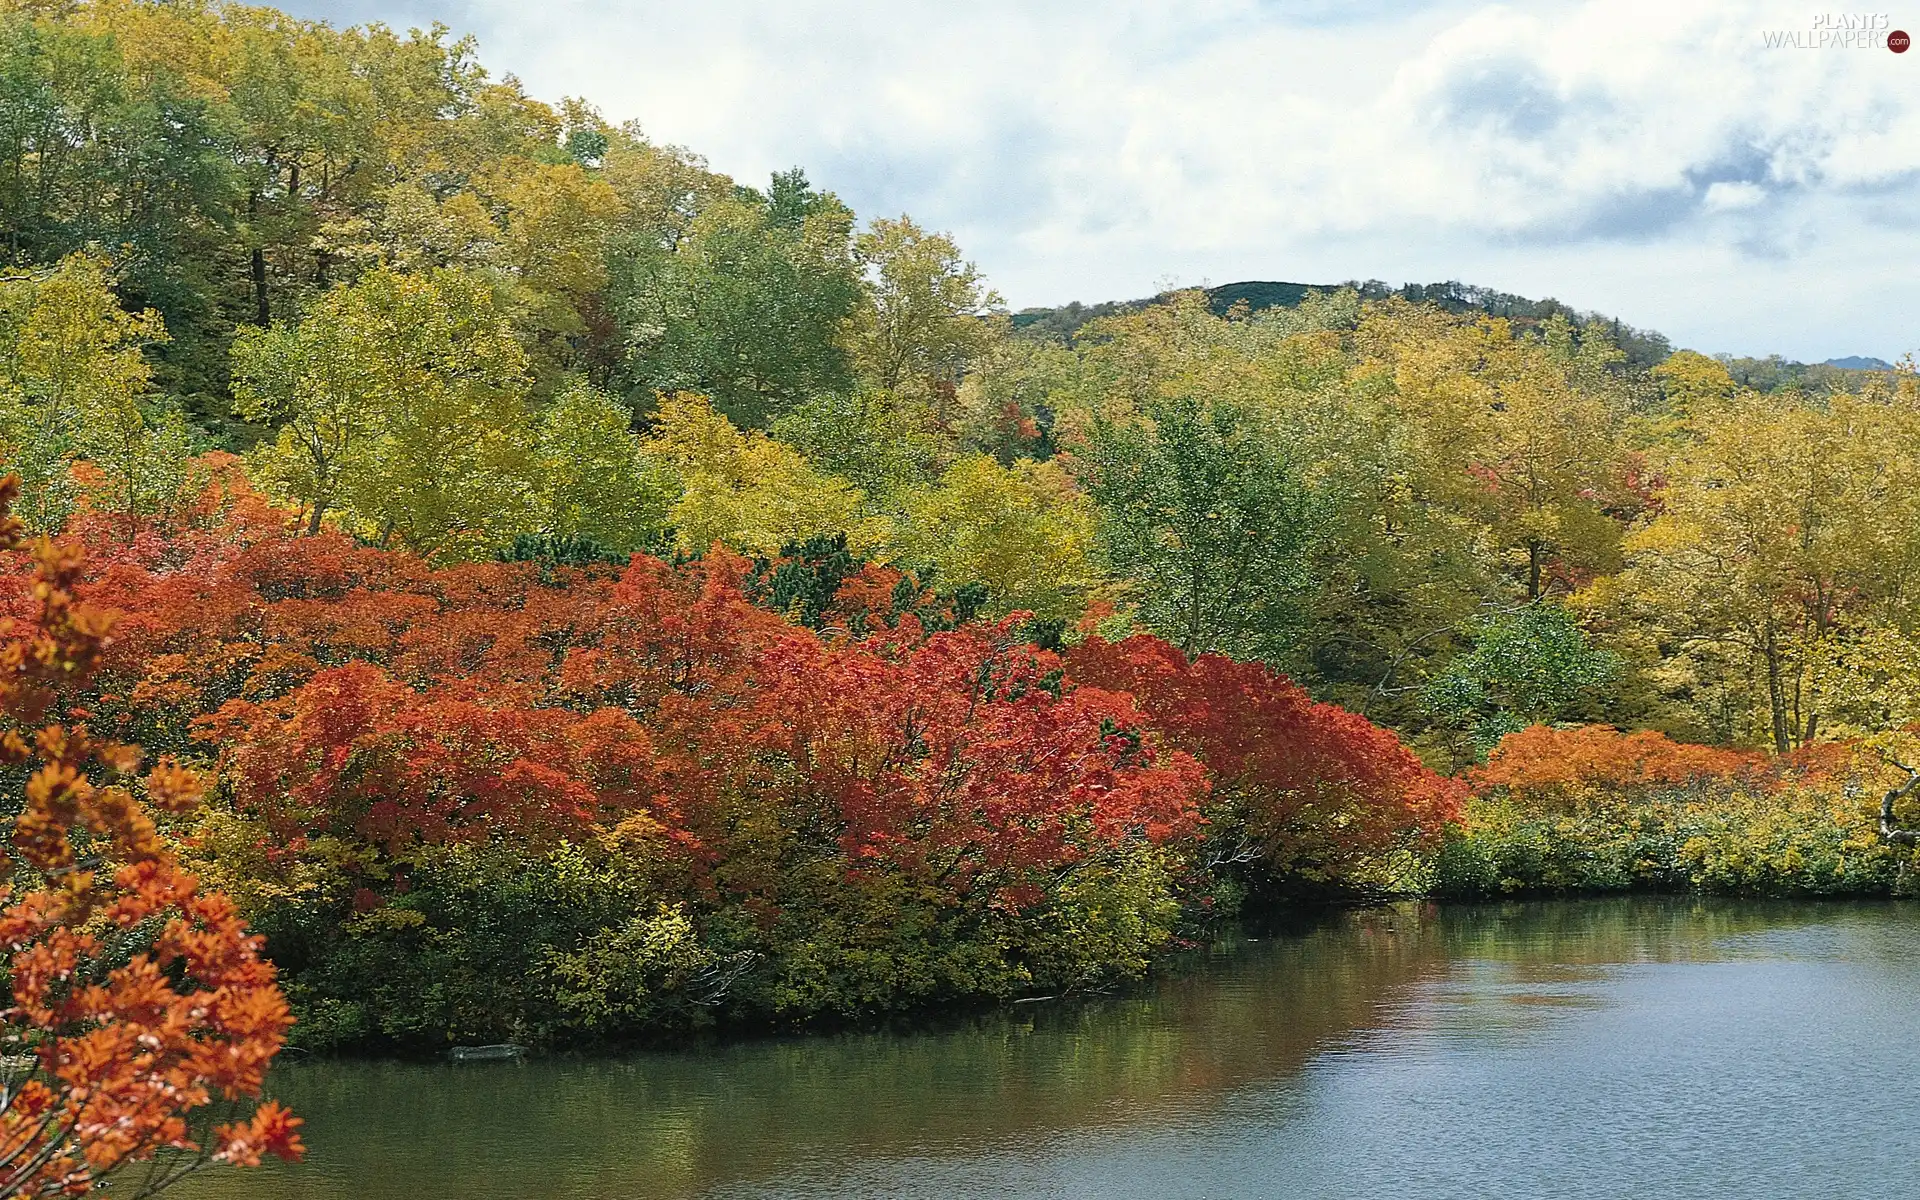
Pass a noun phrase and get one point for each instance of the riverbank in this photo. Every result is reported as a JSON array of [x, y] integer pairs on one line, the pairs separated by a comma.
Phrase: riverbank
[[1349, 1058], [1793, 844], [494, 948], [1592, 810]]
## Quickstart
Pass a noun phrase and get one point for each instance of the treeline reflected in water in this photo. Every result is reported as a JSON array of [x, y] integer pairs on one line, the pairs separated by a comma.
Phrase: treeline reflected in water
[[682, 1123]]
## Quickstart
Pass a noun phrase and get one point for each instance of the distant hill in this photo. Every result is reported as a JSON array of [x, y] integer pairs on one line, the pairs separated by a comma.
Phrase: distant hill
[[1774, 374], [1063, 322], [1259, 294], [1644, 347]]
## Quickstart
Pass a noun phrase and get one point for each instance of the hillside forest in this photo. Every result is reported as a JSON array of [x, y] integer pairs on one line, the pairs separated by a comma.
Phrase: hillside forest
[[572, 596]]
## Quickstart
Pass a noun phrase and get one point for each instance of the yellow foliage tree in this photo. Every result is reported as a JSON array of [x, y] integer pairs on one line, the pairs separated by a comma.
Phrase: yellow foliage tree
[[1693, 384], [1785, 529], [555, 221], [926, 312], [74, 384], [1026, 531], [748, 491], [1506, 433], [402, 405]]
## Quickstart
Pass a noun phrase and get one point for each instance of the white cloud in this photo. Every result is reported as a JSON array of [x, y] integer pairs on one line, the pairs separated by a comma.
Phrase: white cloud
[[1655, 160], [1732, 197]]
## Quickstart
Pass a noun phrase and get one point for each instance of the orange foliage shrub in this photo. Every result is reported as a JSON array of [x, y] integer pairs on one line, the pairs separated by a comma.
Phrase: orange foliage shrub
[[138, 1001], [1595, 809], [1546, 763]]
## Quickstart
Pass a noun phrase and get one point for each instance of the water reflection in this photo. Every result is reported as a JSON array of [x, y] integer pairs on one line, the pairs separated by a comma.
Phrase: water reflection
[[1373, 1053]]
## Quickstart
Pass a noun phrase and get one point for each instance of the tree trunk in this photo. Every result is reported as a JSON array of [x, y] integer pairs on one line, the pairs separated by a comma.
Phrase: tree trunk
[[1193, 614], [261, 316], [1777, 695]]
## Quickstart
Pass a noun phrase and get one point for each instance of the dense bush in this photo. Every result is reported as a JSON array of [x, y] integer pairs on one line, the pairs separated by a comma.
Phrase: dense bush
[[1305, 794], [550, 802], [1595, 810]]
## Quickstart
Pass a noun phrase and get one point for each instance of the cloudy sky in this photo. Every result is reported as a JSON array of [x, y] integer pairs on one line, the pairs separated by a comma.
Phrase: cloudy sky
[[1656, 161]]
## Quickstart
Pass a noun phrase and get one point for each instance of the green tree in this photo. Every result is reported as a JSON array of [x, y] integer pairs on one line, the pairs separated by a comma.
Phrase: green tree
[[594, 480], [317, 382], [97, 152], [868, 436], [1203, 511], [1527, 666], [746, 305]]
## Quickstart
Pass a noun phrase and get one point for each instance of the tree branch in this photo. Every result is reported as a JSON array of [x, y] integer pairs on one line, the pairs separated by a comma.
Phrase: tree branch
[[1889, 831]]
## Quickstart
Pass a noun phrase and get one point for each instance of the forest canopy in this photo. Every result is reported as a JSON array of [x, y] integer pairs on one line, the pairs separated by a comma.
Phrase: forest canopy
[[612, 596], [437, 313]]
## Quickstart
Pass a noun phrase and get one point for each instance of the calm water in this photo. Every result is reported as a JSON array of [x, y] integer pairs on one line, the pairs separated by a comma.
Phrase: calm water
[[1590, 1049]]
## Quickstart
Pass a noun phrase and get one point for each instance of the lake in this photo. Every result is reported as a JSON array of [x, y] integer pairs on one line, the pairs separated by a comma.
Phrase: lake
[[1592, 1048]]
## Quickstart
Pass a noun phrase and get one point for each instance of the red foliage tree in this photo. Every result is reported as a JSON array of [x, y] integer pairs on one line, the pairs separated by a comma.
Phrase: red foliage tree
[[968, 761], [141, 1007], [960, 759], [1316, 789], [356, 692], [362, 693], [354, 751]]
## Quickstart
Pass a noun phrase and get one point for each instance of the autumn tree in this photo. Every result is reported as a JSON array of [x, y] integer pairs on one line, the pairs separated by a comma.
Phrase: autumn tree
[[1542, 764], [1309, 792], [1006, 400], [75, 384], [402, 404], [744, 489], [1024, 531], [926, 312], [1693, 386], [1519, 432], [1780, 526], [556, 222], [142, 1009]]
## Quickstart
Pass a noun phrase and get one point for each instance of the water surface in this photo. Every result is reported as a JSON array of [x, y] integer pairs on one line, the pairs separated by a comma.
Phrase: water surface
[[1580, 1048]]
